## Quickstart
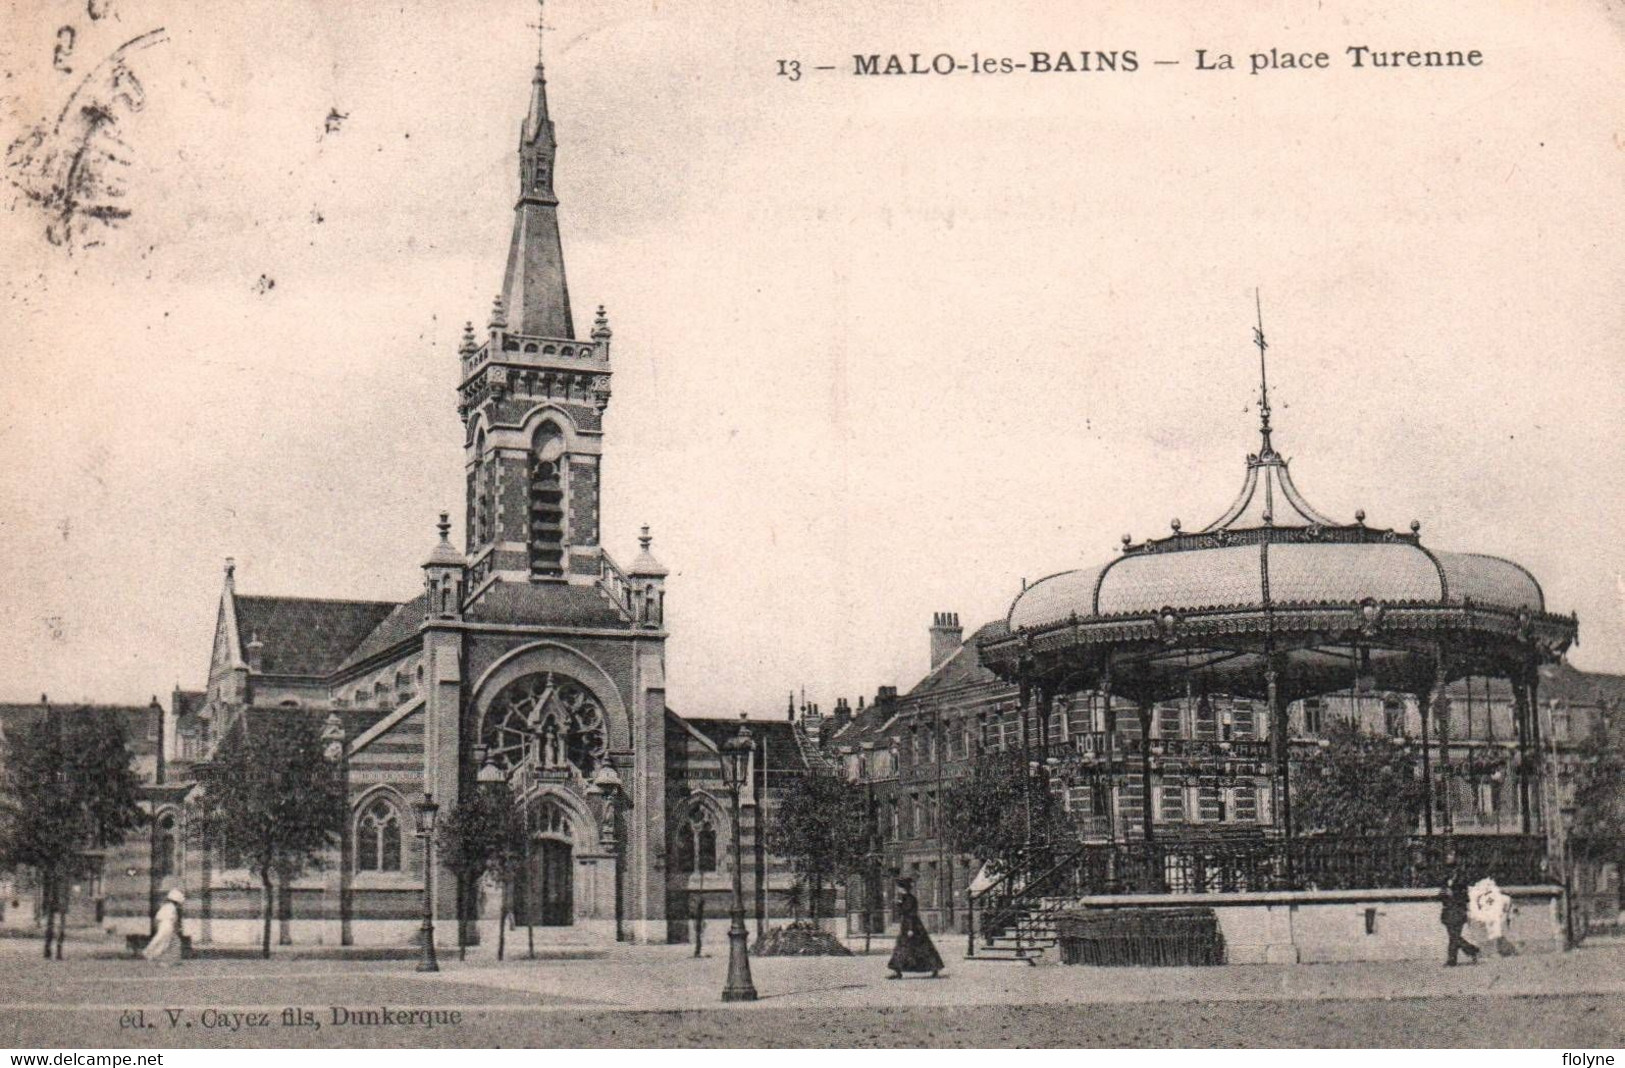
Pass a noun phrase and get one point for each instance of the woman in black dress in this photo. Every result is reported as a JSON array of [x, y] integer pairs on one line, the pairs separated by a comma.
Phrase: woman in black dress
[[914, 951]]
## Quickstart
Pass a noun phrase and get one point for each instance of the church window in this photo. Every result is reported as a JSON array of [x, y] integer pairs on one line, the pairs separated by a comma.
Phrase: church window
[[697, 844], [482, 492], [547, 503], [548, 719], [549, 818], [378, 838]]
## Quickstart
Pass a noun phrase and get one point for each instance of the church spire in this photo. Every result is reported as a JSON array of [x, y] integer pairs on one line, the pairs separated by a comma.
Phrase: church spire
[[534, 290]]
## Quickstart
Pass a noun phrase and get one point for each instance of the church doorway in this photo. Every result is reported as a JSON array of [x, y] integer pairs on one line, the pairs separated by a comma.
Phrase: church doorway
[[555, 883], [547, 893]]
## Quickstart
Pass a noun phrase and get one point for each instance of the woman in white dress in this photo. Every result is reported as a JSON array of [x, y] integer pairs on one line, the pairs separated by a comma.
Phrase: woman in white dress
[[165, 946]]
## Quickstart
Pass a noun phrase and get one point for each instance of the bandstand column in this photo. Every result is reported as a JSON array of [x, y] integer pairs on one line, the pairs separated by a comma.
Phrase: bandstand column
[[1149, 816], [1520, 714], [1424, 707], [1283, 758], [1108, 720], [1441, 724], [1537, 764]]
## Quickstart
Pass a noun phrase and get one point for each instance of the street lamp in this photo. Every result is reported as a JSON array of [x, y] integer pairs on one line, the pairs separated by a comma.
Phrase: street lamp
[[736, 753], [426, 811]]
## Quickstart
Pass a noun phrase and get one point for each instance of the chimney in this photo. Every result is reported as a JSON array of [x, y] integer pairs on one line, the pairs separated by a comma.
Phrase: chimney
[[885, 695], [843, 713], [946, 637]]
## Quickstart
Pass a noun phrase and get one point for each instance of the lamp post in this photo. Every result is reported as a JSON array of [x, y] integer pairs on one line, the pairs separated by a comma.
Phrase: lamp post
[[736, 753], [426, 811]]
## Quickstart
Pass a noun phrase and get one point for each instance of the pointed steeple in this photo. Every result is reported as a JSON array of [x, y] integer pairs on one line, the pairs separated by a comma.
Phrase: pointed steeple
[[534, 291]]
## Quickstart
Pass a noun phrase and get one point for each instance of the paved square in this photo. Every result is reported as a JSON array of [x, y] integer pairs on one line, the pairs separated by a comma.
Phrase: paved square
[[643, 996]]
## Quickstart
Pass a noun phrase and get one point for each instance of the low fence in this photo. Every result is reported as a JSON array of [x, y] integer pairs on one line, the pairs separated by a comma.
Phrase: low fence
[[1239, 865]]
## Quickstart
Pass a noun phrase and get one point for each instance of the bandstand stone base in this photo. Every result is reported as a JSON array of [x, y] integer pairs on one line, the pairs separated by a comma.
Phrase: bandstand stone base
[[1323, 926]]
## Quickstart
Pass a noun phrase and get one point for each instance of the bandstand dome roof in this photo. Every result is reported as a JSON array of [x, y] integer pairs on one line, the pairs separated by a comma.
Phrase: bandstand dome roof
[[1248, 575], [1271, 548], [1273, 597]]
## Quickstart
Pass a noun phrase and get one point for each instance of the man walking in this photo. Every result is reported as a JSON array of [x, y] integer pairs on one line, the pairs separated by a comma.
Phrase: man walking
[[1454, 913]]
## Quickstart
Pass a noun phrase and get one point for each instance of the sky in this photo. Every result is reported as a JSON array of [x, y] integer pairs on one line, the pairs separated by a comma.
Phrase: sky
[[884, 347]]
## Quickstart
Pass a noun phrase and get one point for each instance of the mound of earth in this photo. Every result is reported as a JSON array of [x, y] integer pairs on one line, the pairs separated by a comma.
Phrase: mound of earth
[[799, 939]]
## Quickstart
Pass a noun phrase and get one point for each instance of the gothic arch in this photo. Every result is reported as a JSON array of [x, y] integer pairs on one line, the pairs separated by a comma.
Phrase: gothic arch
[[403, 861], [546, 410], [583, 835], [549, 656], [683, 847]]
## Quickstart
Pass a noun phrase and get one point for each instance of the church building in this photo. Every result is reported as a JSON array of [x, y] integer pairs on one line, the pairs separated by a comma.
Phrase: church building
[[530, 653]]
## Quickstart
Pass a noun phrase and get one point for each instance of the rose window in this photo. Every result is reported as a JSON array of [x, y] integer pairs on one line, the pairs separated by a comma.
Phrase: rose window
[[550, 719]]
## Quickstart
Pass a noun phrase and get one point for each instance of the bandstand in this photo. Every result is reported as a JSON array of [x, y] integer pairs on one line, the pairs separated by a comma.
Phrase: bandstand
[[1273, 602]]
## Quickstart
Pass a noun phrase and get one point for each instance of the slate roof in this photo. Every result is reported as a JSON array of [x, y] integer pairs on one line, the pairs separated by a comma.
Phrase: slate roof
[[307, 635], [1570, 684], [355, 720], [964, 667], [783, 754], [547, 604], [137, 720], [395, 628]]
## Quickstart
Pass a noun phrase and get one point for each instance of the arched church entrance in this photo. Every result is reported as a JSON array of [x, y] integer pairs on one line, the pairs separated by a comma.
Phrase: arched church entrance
[[547, 894], [549, 733]]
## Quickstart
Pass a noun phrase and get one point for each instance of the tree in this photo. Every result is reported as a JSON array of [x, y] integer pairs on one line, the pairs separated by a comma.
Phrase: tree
[[1358, 784], [1597, 832], [271, 797], [820, 829], [986, 815], [484, 834], [69, 789]]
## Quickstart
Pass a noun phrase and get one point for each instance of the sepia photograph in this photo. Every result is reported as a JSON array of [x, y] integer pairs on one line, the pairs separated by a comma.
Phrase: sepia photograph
[[812, 524]]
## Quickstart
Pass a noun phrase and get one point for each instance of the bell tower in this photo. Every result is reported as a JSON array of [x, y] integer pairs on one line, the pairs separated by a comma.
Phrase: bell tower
[[532, 396]]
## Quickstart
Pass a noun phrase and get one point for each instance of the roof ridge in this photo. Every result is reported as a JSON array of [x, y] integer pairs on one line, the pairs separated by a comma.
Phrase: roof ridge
[[318, 600]]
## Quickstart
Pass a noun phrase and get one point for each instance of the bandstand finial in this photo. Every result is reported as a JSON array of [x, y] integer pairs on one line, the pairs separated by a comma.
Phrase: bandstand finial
[[1263, 377]]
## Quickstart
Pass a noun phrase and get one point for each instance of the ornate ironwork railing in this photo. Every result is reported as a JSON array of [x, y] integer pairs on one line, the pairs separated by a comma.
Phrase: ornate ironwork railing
[[1241, 864]]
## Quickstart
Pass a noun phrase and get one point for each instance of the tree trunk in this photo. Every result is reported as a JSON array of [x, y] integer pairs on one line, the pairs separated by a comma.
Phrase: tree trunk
[[265, 936], [46, 902], [464, 907], [502, 922]]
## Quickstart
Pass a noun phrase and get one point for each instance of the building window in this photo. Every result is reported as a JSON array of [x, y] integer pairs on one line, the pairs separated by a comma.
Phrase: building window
[[697, 844], [378, 838], [1314, 717], [1100, 799], [1246, 808], [1171, 804], [1210, 804], [547, 503], [1207, 720], [1246, 723], [1168, 725]]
